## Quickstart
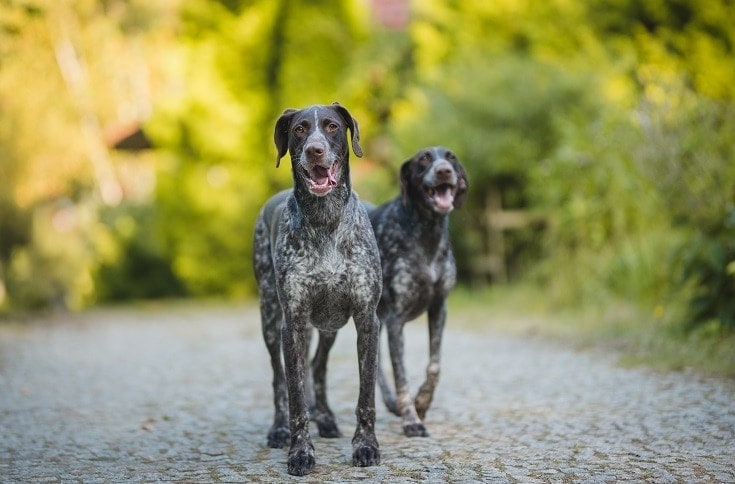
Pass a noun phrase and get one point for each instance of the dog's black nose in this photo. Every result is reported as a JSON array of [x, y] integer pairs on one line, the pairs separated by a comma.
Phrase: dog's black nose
[[444, 169]]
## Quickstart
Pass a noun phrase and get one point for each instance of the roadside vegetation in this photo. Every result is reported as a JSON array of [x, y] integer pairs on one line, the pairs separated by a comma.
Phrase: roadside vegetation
[[638, 337]]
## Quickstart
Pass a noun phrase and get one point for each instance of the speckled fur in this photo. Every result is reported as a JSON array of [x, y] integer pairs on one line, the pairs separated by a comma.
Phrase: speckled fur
[[317, 265], [418, 271]]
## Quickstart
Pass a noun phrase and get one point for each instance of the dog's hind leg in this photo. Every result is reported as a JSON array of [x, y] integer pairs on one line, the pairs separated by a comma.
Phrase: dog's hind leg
[[278, 435], [271, 318], [386, 389], [437, 317], [321, 413]]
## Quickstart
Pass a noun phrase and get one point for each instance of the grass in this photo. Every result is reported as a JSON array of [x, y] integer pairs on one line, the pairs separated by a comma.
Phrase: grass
[[640, 337]]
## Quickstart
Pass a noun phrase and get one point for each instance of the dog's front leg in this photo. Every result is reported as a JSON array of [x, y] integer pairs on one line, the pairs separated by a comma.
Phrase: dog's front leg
[[437, 317], [365, 448], [301, 457]]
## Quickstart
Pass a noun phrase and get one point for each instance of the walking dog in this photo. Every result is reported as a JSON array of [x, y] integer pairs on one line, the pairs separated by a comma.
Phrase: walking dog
[[317, 263], [418, 270]]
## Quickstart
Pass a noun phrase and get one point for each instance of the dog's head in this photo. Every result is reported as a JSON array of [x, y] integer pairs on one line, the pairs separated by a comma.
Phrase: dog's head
[[434, 178], [316, 137]]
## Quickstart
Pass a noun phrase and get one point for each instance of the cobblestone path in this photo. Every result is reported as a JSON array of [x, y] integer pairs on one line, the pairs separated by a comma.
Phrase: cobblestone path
[[183, 393]]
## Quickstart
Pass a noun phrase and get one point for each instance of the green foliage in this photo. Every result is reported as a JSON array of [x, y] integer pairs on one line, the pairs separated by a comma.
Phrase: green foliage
[[500, 117], [643, 209], [133, 262], [708, 279], [55, 268], [689, 158], [605, 224], [14, 221], [643, 206]]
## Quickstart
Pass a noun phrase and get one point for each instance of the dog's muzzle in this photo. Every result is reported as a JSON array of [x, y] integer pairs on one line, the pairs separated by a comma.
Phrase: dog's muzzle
[[440, 187], [319, 166], [320, 179]]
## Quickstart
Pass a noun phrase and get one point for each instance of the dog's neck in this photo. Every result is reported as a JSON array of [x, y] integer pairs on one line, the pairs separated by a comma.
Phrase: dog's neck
[[429, 226]]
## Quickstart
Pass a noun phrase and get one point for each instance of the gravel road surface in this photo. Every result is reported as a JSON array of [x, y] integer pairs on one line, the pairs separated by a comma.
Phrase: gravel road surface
[[183, 393]]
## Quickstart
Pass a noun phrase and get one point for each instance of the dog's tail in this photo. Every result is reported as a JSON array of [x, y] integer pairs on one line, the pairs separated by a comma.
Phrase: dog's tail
[[389, 396]]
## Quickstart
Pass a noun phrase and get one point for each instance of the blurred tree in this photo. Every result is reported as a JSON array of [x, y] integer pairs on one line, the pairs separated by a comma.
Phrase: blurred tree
[[687, 39], [66, 70]]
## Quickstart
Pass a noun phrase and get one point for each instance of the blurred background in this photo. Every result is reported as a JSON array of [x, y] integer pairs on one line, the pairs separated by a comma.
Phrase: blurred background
[[598, 136]]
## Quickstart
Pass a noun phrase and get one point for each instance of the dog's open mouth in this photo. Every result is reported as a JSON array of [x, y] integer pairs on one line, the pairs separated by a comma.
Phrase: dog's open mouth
[[441, 196], [320, 179]]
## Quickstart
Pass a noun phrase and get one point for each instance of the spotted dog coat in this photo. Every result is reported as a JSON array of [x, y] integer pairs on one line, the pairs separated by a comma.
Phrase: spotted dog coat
[[317, 263], [418, 270]]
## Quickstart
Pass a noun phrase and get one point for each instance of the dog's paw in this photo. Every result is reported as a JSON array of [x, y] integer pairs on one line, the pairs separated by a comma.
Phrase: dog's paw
[[301, 461], [415, 429], [366, 455], [278, 437]]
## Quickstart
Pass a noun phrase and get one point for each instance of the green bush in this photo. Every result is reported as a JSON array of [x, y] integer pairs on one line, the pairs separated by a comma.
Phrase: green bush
[[54, 269], [643, 207], [707, 280], [133, 260], [607, 226], [689, 157]]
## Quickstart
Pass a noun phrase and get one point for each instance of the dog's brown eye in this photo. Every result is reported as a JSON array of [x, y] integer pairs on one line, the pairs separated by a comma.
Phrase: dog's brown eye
[[299, 129], [450, 156], [332, 127]]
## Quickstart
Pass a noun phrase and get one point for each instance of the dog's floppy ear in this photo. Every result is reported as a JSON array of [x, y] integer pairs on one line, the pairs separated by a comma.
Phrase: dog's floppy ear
[[352, 126], [405, 174], [462, 186], [280, 136]]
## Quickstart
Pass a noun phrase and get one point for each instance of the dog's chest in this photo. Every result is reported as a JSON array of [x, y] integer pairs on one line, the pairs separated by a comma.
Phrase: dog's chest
[[325, 281], [420, 274], [324, 264], [414, 274]]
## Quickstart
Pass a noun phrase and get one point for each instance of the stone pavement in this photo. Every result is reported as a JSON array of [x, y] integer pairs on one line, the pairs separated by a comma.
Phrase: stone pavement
[[183, 393]]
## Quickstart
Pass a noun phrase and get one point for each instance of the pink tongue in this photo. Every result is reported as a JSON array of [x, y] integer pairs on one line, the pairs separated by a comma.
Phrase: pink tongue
[[323, 176], [320, 175], [444, 198]]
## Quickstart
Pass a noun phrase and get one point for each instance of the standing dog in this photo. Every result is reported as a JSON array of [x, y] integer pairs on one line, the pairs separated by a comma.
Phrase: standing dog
[[317, 264], [418, 270]]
